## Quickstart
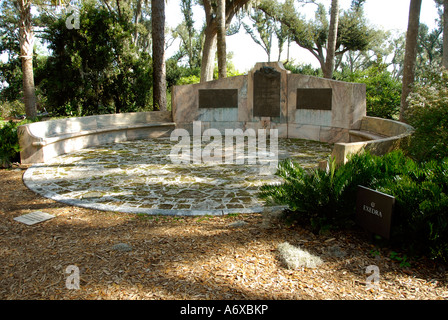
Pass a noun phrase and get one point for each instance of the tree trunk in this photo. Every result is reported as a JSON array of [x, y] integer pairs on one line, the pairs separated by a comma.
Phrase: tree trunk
[[158, 50], [221, 38], [26, 54], [209, 49], [332, 38], [445, 34], [138, 14], [410, 54], [208, 54]]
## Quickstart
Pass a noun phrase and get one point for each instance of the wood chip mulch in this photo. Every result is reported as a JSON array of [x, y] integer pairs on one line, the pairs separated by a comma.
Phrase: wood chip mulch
[[187, 257]]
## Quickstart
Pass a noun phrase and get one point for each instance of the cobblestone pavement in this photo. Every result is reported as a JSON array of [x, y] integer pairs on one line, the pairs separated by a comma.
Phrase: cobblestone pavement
[[140, 177]]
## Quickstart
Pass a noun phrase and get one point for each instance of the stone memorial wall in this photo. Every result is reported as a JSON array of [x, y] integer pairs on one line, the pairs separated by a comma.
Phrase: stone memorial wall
[[270, 97]]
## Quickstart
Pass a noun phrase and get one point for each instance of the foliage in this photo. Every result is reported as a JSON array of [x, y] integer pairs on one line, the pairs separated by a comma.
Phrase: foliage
[[231, 70], [383, 91], [9, 146], [429, 47], [421, 210], [10, 70], [401, 259], [190, 47], [315, 197], [306, 69], [353, 31], [325, 198], [11, 109], [95, 69], [189, 80], [11, 78], [428, 114], [265, 26]]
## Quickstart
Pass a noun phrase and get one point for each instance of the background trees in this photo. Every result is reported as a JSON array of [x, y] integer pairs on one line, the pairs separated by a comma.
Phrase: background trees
[[410, 54], [349, 30], [95, 69], [232, 7], [26, 39], [158, 50], [332, 39], [65, 60]]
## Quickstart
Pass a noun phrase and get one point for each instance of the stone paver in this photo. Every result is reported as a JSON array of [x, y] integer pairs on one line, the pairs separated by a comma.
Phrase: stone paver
[[139, 177]]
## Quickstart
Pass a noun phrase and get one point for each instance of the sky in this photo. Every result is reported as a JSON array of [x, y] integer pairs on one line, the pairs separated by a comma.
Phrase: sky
[[384, 14]]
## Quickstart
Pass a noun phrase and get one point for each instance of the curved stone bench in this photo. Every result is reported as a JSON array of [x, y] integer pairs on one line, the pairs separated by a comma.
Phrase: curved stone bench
[[376, 135], [41, 141]]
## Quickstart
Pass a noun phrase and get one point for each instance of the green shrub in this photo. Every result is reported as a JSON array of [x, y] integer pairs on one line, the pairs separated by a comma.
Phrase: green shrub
[[94, 69], [327, 198], [383, 91], [421, 213], [428, 114], [11, 108], [9, 144], [188, 80]]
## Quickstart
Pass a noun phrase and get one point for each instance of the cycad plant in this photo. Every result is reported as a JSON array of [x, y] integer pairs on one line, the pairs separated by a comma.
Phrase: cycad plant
[[314, 196], [326, 199]]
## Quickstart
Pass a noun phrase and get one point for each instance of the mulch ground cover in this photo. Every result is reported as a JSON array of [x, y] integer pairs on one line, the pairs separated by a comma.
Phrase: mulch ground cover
[[126, 256]]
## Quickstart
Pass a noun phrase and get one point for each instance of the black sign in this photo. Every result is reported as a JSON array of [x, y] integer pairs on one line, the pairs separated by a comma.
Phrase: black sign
[[218, 98], [314, 98], [267, 92], [374, 211]]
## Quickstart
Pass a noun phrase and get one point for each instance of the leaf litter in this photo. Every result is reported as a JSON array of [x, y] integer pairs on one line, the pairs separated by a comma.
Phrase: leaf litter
[[188, 257]]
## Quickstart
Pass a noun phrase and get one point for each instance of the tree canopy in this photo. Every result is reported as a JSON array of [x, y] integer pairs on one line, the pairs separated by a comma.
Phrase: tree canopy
[[106, 64]]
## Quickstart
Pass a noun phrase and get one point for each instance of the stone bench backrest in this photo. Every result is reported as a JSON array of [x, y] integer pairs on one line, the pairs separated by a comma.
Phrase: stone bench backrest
[[386, 127], [51, 128]]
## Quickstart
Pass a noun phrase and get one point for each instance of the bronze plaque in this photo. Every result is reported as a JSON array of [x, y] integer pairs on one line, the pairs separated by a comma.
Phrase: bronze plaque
[[267, 92], [218, 98], [314, 98], [374, 211]]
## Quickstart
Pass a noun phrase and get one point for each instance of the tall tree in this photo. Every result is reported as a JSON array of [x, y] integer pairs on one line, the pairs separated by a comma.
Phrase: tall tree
[[445, 34], [11, 84], [265, 26], [353, 32], [332, 39], [26, 36], [210, 32], [429, 47], [221, 38], [137, 16], [26, 39], [158, 49], [410, 56], [191, 40]]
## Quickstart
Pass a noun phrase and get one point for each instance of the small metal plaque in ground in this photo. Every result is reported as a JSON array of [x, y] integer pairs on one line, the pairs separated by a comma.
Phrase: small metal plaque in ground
[[34, 217]]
